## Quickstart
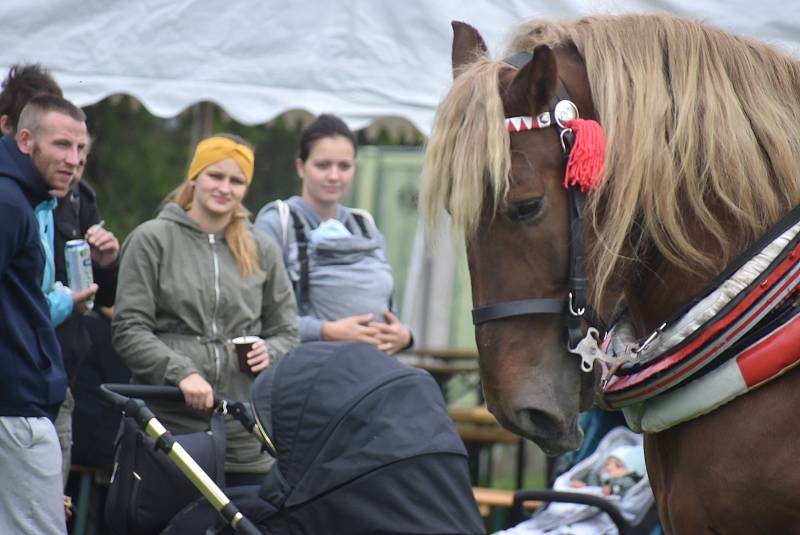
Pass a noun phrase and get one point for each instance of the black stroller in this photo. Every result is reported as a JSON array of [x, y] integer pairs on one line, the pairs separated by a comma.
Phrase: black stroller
[[363, 444]]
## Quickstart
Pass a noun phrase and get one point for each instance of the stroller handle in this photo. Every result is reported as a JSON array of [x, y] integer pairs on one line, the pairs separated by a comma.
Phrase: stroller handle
[[129, 398], [118, 393]]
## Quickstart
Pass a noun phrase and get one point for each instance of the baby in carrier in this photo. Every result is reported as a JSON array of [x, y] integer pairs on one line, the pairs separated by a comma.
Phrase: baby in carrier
[[335, 255]]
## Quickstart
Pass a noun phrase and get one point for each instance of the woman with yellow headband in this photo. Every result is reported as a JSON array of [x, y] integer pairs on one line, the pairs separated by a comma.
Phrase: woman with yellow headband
[[191, 280]]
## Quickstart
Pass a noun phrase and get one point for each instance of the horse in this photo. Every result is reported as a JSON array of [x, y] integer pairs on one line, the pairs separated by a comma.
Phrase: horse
[[701, 157]]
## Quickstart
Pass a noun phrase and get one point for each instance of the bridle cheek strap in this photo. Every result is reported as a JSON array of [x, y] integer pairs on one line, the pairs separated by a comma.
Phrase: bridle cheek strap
[[583, 143]]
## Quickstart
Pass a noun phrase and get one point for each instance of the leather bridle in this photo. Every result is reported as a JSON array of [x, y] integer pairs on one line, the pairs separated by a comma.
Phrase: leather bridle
[[573, 307]]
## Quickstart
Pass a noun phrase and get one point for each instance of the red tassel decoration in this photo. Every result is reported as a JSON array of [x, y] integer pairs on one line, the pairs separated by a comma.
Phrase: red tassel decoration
[[585, 165]]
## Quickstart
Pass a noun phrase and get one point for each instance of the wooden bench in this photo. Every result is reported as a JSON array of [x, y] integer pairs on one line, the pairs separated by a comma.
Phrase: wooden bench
[[491, 503], [490, 498], [479, 430]]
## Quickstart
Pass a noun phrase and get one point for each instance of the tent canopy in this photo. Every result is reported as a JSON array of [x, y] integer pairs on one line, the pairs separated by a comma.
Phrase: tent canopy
[[259, 58]]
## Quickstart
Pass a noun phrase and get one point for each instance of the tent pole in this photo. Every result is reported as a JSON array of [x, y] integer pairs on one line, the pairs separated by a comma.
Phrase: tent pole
[[202, 119]]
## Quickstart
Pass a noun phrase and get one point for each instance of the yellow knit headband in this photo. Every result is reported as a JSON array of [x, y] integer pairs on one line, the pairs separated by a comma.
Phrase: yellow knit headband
[[215, 149]]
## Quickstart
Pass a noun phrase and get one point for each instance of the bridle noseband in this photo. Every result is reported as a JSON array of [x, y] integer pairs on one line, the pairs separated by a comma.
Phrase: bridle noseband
[[573, 308]]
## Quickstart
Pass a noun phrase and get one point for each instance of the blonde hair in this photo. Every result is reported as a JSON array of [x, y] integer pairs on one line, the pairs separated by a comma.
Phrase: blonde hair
[[456, 167], [702, 129], [238, 235]]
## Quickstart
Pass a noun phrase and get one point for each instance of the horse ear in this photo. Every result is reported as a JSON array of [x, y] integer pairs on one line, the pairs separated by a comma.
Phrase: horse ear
[[534, 86], [468, 45]]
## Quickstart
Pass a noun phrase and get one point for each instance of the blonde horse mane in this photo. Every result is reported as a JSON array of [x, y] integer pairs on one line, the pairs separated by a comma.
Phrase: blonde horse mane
[[702, 127], [454, 172]]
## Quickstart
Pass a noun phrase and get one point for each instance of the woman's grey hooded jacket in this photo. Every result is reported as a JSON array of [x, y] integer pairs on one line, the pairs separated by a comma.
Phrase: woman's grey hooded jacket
[[180, 299]]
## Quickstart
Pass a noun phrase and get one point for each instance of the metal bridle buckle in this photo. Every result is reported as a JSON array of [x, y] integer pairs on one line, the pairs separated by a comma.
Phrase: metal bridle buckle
[[589, 350], [649, 340], [577, 313], [223, 407], [561, 137]]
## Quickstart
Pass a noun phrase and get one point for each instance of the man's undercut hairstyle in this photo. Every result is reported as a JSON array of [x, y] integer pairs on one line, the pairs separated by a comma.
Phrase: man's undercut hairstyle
[[34, 112], [23, 83]]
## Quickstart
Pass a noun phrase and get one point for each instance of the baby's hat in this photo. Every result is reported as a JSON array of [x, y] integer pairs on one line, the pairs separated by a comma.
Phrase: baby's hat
[[331, 228], [632, 457]]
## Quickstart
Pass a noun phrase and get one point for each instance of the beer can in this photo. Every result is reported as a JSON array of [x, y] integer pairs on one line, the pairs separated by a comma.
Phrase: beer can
[[78, 258]]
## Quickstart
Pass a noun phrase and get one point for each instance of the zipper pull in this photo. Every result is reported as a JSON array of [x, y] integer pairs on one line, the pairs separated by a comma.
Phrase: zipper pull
[[211, 239]]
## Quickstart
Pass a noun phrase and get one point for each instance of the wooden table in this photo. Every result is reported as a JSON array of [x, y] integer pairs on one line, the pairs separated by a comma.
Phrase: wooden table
[[477, 424], [479, 415], [499, 498]]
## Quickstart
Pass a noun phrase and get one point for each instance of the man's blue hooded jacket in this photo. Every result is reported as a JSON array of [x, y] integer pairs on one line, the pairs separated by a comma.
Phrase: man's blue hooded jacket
[[32, 377]]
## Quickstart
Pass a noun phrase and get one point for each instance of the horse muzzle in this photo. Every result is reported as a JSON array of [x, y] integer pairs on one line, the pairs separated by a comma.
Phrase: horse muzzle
[[547, 430]]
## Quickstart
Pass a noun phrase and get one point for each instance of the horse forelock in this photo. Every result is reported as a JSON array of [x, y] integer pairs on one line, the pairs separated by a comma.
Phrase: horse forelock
[[703, 136], [468, 153]]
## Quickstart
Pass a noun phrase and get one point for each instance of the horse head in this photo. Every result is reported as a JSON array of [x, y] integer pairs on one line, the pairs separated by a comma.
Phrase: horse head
[[674, 203], [520, 249]]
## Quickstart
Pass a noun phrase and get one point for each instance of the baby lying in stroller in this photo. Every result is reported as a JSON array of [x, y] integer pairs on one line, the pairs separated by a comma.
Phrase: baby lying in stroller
[[615, 471], [623, 468]]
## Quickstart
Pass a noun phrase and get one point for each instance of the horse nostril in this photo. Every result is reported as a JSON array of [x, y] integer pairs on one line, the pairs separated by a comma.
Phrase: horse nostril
[[543, 423]]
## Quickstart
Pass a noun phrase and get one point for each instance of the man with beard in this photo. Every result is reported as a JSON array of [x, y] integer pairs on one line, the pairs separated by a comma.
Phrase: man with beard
[[38, 163]]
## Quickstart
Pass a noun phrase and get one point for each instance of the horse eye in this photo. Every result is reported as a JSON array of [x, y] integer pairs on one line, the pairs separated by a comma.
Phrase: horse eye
[[525, 211]]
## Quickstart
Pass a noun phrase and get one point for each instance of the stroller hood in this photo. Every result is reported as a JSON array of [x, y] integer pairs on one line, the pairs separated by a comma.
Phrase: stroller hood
[[349, 421]]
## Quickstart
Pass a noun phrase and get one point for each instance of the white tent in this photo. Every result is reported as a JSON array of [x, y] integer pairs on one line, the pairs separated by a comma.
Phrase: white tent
[[362, 59]]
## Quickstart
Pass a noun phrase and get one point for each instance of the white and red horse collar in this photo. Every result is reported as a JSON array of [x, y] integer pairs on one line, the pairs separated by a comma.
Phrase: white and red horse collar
[[739, 333]]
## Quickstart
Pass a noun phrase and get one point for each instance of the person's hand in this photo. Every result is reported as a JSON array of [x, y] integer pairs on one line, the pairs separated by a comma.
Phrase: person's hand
[[258, 358], [80, 300], [104, 245], [606, 490], [352, 328], [393, 335], [68, 507], [197, 393]]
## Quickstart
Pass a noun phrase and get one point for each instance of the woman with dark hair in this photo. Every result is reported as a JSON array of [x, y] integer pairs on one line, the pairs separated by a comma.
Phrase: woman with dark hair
[[191, 280], [335, 255]]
